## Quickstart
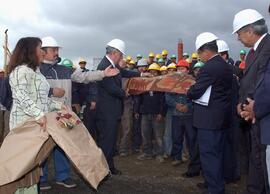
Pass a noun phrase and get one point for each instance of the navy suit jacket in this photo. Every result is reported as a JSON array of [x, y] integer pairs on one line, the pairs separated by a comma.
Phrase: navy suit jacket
[[110, 94], [217, 115], [262, 105]]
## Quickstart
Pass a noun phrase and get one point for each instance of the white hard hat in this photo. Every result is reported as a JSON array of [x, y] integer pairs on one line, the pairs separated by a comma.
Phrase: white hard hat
[[49, 42], [222, 46], [118, 44], [142, 63], [204, 38], [245, 17]]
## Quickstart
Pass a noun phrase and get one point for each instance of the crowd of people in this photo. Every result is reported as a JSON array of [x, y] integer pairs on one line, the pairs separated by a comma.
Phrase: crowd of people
[[220, 126]]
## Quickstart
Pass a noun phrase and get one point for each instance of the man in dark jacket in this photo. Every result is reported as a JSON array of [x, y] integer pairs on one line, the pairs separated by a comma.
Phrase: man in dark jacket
[[212, 110], [252, 32], [110, 101]]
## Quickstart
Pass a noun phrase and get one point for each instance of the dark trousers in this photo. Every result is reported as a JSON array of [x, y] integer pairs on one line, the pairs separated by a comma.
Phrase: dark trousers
[[90, 121], [107, 137], [194, 165], [257, 181], [180, 127], [231, 171], [137, 133], [211, 144]]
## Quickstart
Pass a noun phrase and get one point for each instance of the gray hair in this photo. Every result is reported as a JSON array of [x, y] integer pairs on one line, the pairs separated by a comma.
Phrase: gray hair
[[259, 27], [110, 50]]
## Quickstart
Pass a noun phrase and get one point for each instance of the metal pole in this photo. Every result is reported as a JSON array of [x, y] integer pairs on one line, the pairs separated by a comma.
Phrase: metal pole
[[5, 51]]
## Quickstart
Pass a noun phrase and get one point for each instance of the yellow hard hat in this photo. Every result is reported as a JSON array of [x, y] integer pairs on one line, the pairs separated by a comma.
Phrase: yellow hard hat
[[132, 62], [164, 52], [188, 60], [158, 56], [151, 54], [82, 60], [129, 58], [154, 66], [163, 68], [171, 66], [194, 55]]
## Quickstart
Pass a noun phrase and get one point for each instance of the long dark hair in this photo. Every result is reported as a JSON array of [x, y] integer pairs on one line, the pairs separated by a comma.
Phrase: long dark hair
[[25, 52]]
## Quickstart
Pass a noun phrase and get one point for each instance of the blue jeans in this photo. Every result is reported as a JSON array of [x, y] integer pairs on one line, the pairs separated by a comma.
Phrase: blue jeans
[[180, 127], [211, 145], [61, 166], [152, 130], [167, 138]]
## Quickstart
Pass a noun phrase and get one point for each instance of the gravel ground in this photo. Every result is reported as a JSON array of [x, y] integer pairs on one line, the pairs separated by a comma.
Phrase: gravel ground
[[141, 177]]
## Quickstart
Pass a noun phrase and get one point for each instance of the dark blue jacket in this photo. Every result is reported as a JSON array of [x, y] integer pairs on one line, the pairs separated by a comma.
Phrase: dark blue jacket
[[262, 105], [172, 99], [217, 115], [150, 103], [110, 92], [6, 94]]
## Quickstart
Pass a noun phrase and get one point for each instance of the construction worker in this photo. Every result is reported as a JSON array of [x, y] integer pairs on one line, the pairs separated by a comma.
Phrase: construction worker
[[182, 66], [139, 56], [197, 67], [161, 62], [181, 108], [241, 64], [158, 56], [151, 58], [137, 119], [185, 56], [151, 106], [252, 31], [164, 54], [59, 78], [163, 70], [172, 59], [171, 68], [131, 65], [211, 115]]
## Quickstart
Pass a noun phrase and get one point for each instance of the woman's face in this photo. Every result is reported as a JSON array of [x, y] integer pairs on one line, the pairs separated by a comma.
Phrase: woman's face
[[40, 53]]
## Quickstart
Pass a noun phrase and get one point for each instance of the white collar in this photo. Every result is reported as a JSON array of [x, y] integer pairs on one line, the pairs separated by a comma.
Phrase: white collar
[[258, 42], [110, 60], [48, 62]]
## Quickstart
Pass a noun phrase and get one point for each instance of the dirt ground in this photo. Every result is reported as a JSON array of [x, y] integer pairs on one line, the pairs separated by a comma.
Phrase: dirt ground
[[142, 177]]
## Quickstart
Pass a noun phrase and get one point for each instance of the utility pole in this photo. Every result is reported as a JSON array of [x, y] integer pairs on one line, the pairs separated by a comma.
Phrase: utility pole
[[5, 51]]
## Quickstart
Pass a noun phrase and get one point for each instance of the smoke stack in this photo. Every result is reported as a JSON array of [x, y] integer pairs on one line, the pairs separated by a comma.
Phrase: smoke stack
[[180, 49]]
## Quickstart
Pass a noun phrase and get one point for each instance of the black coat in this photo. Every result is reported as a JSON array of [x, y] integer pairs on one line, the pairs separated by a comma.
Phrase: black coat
[[217, 114], [110, 92], [254, 69]]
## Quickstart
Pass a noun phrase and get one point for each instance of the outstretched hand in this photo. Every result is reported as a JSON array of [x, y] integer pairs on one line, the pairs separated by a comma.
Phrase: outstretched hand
[[109, 71]]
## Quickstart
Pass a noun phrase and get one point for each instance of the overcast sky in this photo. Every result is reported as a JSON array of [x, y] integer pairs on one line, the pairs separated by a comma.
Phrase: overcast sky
[[83, 27]]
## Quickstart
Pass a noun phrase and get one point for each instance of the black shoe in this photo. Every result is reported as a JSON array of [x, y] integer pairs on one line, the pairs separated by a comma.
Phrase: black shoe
[[190, 175], [202, 185], [68, 183], [116, 172]]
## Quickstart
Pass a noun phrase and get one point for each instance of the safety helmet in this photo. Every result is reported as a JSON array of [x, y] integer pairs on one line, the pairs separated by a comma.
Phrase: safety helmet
[[222, 46], [49, 41], [171, 66], [244, 18], [204, 38], [182, 63], [164, 52], [67, 63], [154, 66], [118, 44], [163, 68]]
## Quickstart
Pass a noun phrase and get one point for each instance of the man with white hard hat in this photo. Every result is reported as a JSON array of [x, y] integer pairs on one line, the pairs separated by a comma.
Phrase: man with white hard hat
[[59, 78], [252, 31], [212, 110], [110, 100]]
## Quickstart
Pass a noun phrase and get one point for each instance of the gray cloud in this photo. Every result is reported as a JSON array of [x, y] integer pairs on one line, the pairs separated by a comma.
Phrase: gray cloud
[[84, 27]]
